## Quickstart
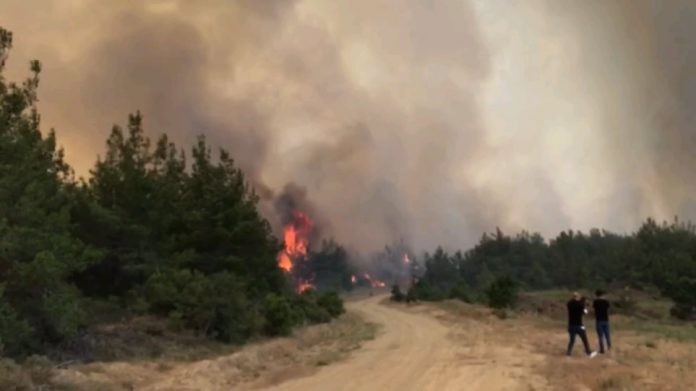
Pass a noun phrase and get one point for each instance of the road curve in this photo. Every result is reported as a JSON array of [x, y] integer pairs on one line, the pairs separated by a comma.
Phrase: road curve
[[411, 352]]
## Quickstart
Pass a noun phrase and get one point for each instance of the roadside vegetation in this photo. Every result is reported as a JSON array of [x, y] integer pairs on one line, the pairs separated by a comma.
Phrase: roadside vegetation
[[154, 232], [658, 259]]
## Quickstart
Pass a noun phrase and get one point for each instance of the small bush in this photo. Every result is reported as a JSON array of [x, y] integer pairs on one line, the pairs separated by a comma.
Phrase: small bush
[[14, 333], [682, 291], [411, 295], [461, 292], [175, 321], [215, 305], [278, 315], [308, 310], [396, 294], [332, 303], [502, 293], [683, 311], [426, 292]]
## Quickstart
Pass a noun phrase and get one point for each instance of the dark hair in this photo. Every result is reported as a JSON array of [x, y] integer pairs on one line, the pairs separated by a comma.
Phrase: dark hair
[[599, 293]]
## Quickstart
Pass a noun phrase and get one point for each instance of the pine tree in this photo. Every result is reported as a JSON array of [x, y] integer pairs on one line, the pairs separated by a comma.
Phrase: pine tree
[[37, 249]]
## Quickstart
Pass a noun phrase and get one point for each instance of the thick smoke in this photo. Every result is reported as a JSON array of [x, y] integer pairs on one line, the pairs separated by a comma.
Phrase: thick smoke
[[429, 122]]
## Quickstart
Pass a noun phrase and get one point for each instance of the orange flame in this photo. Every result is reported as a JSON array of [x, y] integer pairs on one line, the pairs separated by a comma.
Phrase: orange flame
[[304, 286], [296, 240], [296, 243], [373, 282], [284, 262]]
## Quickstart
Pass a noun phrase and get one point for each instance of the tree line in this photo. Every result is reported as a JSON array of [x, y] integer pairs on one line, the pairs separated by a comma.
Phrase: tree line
[[659, 256], [154, 230]]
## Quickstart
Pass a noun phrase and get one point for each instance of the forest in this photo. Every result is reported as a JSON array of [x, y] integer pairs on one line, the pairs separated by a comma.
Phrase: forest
[[163, 231], [153, 230], [657, 257]]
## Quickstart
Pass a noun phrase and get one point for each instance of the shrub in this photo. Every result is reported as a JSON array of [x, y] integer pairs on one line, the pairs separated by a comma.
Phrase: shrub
[[215, 305], [332, 303], [460, 291], [502, 293], [411, 295], [308, 310], [14, 333], [396, 294], [683, 311], [682, 291], [278, 314], [426, 292]]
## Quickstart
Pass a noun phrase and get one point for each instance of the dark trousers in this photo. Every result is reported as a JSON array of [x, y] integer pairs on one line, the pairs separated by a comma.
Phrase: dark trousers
[[603, 335], [574, 331]]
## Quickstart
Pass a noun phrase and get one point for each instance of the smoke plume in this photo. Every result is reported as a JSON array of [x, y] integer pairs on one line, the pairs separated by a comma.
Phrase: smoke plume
[[429, 122]]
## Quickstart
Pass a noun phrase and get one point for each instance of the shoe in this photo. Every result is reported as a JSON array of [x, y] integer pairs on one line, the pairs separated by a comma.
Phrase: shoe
[[593, 354]]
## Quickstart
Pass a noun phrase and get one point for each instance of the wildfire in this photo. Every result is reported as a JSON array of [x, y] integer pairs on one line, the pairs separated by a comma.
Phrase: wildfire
[[353, 279], [304, 286], [284, 262], [407, 260], [296, 242], [373, 282], [296, 239]]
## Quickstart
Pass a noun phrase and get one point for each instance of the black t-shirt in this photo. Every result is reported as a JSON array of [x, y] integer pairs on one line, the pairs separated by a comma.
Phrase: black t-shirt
[[576, 310], [601, 308]]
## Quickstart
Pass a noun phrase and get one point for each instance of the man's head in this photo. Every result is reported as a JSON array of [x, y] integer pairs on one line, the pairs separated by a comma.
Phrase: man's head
[[577, 296], [599, 293]]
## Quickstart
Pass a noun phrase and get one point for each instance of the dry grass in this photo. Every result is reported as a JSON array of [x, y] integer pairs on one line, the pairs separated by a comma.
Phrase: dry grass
[[649, 354], [143, 338], [35, 373], [253, 365]]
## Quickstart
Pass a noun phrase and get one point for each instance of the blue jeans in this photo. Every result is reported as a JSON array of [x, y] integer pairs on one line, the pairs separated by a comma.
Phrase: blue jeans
[[603, 335], [574, 331]]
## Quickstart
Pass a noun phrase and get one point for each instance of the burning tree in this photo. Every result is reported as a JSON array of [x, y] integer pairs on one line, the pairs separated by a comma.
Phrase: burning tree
[[396, 265], [293, 257], [322, 267]]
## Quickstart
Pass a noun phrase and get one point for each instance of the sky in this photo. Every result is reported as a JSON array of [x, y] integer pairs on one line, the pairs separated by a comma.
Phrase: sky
[[424, 121]]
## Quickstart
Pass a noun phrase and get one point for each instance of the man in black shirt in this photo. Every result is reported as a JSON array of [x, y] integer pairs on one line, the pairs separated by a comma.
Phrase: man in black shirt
[[601, 310], [576, 309]]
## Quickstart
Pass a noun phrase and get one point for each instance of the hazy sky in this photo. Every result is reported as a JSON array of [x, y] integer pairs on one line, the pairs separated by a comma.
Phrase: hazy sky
[[431, 121]]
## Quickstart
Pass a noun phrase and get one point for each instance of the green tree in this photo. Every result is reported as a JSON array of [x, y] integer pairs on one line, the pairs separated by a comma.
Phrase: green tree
[[502, 293], [38, 252]]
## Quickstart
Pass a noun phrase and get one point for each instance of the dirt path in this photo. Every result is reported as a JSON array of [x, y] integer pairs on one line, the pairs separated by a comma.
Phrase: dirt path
[[415, 351], [445, 346]]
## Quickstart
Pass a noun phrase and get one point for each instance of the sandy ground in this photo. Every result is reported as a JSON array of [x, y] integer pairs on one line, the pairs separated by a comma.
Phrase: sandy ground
[[416, 351]]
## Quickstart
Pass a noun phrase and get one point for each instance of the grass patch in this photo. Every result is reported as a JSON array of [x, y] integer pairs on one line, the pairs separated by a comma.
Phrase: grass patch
[[672, 330], [255, 363], [611, 383], [142, 339]]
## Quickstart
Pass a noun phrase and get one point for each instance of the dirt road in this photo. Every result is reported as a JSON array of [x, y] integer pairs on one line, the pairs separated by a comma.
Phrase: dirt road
[[447, 346], [415, 351]]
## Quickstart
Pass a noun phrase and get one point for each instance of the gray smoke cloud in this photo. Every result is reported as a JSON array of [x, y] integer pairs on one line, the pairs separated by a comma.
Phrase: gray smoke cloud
[[429, 122]]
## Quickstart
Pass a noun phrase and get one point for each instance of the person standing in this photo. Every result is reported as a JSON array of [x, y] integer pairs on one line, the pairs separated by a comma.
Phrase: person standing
[[576, 310], [601, 310]]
